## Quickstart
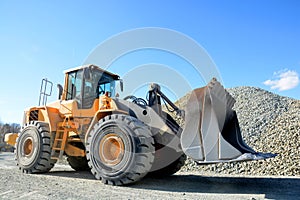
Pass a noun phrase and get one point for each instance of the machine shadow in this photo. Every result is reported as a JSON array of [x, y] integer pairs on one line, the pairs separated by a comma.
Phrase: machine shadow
[[71, 174], [272, 188]]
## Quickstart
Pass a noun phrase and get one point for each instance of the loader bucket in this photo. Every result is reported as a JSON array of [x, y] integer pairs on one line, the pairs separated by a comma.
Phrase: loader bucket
[[212, 133]]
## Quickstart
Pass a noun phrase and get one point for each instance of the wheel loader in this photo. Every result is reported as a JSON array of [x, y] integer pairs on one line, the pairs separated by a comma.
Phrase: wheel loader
[[122, 140]]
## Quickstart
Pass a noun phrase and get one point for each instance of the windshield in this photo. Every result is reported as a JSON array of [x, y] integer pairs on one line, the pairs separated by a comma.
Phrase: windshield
[[106, 84], [97, 83]]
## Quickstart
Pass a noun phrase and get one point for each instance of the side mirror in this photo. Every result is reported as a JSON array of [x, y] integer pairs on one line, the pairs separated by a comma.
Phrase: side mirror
[[60, 90], [121, 85]]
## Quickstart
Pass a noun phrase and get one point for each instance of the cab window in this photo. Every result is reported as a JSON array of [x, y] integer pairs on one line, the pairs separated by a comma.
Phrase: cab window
[[74, 85], [106, 84]]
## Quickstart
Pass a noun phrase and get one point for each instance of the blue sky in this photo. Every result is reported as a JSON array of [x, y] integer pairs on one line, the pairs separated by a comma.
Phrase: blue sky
[[253, 43]]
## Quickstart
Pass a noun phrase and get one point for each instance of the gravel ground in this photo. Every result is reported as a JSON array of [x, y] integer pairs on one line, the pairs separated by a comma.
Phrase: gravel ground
[[269, 123], [64, 183]]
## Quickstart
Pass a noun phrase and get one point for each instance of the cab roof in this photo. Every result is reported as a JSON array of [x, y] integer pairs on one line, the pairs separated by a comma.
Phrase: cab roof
[[93, 67]]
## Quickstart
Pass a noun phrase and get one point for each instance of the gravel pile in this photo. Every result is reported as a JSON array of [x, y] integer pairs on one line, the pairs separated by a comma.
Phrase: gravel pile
[[269, 123]]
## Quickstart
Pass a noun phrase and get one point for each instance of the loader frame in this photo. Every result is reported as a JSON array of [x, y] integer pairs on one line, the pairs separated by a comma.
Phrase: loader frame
[[120, 141]]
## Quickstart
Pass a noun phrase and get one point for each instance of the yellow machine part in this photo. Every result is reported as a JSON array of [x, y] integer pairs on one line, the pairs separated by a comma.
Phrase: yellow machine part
[[73, 150], [10, 138]]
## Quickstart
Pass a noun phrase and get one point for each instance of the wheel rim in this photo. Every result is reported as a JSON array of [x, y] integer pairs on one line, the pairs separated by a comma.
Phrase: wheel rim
[[28, 147], [111, 149]]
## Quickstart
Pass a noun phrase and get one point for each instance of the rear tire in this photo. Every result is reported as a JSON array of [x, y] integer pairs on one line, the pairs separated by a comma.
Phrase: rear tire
[[120, 150], [78, 163], [33, 148]]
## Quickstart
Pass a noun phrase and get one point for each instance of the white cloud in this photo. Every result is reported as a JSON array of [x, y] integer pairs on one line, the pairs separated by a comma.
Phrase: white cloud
[[284, 80]]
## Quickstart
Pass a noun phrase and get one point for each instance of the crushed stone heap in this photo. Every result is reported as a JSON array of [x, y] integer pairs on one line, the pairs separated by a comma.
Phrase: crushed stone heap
[[269, 123]]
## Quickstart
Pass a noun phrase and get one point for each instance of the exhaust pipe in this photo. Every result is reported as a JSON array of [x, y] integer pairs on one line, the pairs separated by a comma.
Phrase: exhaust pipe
[[212, 133]]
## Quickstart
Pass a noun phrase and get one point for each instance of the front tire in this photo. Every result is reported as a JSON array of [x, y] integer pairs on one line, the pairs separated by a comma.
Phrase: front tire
[[120, 150], [33, 148]]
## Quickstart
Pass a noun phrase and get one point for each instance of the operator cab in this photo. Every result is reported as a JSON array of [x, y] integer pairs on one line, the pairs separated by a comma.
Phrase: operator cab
[[87, 83]]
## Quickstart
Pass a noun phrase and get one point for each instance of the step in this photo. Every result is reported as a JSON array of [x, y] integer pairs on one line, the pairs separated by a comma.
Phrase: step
[[55, 148]]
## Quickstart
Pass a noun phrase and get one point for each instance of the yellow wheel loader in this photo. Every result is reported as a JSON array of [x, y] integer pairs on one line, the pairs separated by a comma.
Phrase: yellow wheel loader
[[122, 140]]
